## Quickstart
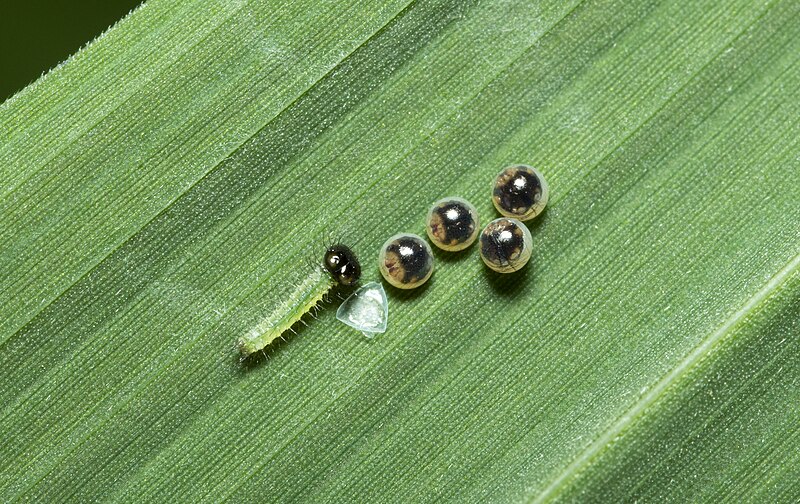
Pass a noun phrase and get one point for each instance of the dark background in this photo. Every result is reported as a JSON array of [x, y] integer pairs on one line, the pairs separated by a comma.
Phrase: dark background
[[36, 35]]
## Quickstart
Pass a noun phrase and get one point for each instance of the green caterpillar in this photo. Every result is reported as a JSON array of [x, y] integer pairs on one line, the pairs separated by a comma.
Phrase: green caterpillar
[[342, 267]]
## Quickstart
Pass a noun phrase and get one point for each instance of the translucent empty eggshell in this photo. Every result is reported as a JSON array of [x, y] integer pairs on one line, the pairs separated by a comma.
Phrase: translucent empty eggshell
[[366, 310]]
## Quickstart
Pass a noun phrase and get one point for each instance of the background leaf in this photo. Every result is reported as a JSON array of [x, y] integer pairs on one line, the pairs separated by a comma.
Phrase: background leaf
[[166, 188]]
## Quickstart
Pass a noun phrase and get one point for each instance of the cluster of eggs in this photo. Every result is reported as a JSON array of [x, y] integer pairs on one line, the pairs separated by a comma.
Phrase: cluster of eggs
[[519, 193]]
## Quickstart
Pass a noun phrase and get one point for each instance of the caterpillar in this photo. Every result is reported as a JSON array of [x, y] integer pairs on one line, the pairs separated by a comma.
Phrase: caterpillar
[[341, 267]]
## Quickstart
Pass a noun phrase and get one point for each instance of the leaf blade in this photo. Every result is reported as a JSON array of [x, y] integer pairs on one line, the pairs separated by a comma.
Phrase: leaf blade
[[485, 375]]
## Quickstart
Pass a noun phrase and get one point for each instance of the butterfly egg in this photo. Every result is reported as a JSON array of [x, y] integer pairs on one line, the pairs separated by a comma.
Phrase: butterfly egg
[[520, 192], [452, 224], [505, 245], [406, 261]]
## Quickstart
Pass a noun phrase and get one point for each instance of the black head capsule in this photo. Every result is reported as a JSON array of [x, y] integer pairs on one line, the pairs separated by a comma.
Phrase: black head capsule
[[342, 264]]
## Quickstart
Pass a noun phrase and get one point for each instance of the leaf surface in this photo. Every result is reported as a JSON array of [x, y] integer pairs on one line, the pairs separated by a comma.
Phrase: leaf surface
[[165, 189]]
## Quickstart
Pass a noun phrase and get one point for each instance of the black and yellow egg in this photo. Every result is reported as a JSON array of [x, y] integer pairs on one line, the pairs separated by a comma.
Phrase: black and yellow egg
[[406, 261], [505, 245], [452, 224], [521, 192]]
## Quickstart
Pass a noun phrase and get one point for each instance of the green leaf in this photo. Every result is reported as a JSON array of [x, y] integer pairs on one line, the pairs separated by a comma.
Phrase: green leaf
[[164, 191]]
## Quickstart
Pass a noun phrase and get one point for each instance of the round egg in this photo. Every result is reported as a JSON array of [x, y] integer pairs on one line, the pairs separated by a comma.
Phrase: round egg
[[520, 191], [406, 261], [452, 224], [505, 245]]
